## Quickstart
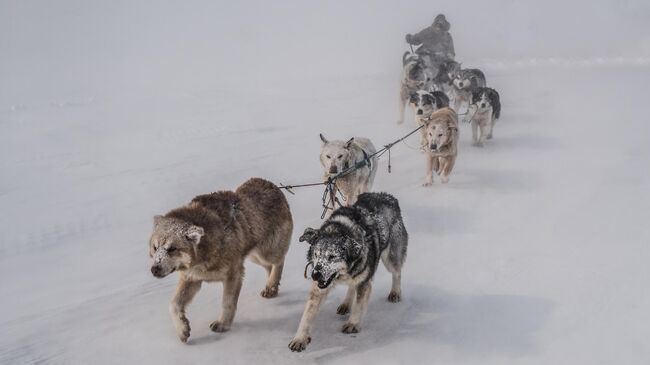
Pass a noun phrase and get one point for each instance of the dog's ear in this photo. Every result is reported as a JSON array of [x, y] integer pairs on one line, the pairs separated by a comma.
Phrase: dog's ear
[[194, 234], [322, 138], [348, 143], [308, 235], [157, 219]]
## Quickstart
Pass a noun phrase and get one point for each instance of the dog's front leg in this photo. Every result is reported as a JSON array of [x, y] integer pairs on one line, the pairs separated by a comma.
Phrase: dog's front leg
[[485, 131], [443, 169], [185, 292], [316, 298], [344, 308], [458, 102], [359, 308], [231, 288], [429, 160], [475, 134], [423, 138]]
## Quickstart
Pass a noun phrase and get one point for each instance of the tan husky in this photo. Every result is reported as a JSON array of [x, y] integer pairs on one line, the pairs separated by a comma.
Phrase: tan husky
[[441, 149], [208, 240]]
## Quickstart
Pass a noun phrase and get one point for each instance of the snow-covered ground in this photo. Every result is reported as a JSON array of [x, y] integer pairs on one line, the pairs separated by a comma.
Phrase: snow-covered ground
[[536, 252]]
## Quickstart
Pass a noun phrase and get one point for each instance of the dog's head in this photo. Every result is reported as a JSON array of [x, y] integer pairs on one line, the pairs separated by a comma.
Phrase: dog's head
[[481, 99], [438, 134], [462, 80], [452, 68], [332, 251], [424, 103], [415, 71], [172, 245], [335, 156], [447, 70]]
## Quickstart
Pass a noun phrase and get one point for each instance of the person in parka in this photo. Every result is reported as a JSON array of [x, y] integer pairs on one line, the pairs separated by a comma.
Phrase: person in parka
[[437, 44]]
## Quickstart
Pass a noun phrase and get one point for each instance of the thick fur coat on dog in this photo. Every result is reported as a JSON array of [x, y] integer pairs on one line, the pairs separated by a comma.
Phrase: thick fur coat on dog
[[347, 249], [487, 109], [208, 240], [441, 133], [337, 156]]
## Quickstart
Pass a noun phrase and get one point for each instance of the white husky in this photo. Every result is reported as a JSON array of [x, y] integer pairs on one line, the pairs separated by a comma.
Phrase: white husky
[[337, 156]]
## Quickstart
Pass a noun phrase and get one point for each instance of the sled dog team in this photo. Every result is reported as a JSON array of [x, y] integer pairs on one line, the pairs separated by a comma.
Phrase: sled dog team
[[209, 238]]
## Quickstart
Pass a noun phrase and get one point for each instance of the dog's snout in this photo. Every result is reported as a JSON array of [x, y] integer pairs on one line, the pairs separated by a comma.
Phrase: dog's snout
[[460, 84], [316, 275], [434, 146], [156, 270], [482, 105], [333, 169], [420, 111]]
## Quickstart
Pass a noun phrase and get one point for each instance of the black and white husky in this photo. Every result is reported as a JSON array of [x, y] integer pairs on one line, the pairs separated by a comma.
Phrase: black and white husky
[[487, 109], [347, 249]]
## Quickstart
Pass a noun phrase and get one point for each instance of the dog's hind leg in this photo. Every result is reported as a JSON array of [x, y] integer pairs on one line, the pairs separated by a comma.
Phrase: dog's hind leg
[[395, 294], [358, 310], [274, 274], [231, 288], [393, 258], [402, 108], [185, 292], [344, 308]]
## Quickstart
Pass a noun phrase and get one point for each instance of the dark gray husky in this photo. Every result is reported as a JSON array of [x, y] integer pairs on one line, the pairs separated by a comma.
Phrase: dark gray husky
[[347, 249]]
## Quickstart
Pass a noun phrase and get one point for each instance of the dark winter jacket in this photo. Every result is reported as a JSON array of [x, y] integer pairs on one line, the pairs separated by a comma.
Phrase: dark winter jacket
[[436, 40]]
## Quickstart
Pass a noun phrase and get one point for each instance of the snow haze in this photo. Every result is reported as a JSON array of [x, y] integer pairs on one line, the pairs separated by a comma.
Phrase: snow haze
[[536, 252]]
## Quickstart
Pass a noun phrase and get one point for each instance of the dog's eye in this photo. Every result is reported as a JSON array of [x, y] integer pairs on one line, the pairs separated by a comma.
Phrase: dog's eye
[[339, 156], [430, 134], [328, 156], [171, 249], [440, 135], [331, 257]]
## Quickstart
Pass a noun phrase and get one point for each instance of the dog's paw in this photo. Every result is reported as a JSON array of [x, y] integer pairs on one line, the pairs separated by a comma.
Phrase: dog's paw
[[400, 121], [444, 179], [268, 293], [183, 329], [299, 344], [217, 326], [394, 297], [343, 309], [427, 183], [489, 136], [351, 328], [477, 144]]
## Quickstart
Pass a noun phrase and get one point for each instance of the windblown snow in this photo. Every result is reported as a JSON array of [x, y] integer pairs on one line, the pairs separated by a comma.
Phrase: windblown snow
[[535, 252]]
